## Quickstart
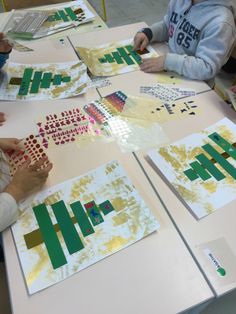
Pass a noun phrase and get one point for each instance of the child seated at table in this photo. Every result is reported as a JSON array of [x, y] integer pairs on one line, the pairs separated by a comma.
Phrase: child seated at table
[[28, 179], [200, 34], [5, 49]]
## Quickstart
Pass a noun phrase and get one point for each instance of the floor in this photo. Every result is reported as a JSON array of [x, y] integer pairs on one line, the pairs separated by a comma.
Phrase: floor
[[120, 13]]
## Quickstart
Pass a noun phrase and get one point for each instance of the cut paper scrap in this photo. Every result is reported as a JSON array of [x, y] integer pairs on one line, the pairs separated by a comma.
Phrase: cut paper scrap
[[114, 58], [202, 167], [60, 128], [19, 47], [169, 78], [77, 223], [43, 81], [49, 22], [30, 148]]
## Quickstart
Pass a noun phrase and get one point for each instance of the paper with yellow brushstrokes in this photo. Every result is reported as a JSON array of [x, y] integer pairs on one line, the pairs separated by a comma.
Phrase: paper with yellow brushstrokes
[[202, 197], [131, 221], [77, 85], [91, 58]]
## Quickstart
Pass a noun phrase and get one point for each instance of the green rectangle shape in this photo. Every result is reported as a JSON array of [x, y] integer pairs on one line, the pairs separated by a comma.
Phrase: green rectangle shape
[[191, 174], [63, 16], [106, 207], [198, 168], [66, 79], [67, 228], [225, 145], [46, 80], [36, 82], [93, 213], [129, 48], [71, 13], [221, 160], [57, 79], [82, 219], [117, 57], [109, 58], [136, 57], [125, 56], [25, 83], [49, 236], [57, 16], [210, 167]]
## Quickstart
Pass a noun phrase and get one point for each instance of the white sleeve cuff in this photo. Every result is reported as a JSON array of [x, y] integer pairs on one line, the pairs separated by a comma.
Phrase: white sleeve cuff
[[8, 210]]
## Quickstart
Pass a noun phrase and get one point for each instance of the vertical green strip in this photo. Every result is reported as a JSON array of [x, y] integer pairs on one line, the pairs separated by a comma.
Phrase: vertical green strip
[[63, 16], [66, 79], [82, 219], [106, 207], [125, 56], [191, 174], [36, 82], [25, 83], [117, 57], [46, 81], [68, 230], [210, 167], [225, 145], [129, 48], [57, 16], [94, 213], [109, 58], [49, 235], [136, 57], [221, 160], [57, 79], [203, 174], [71, 13]]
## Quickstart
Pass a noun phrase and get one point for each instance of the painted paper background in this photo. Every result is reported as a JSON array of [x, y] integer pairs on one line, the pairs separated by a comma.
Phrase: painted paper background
[[77, 85], [202, 197], [131, 221]]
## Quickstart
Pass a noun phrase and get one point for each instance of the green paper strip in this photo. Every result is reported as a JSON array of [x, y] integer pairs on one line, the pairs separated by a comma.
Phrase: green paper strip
[[210, 167], [191, 174], [203, 174], [82, 219], [109, 58], [63, 16], [129, 48], [66, 79], [25, 83], [106, 207], [68, 230], [36, 82], [57, 16], [94, 213], [46, 80], [221, 160], [117, 57], [71, 13], [125, 56], [49, 235], [57, 79], [136, 57], [225, 145]]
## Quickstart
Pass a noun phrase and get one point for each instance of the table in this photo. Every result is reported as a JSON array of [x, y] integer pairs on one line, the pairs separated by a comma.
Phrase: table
[[157, 274]]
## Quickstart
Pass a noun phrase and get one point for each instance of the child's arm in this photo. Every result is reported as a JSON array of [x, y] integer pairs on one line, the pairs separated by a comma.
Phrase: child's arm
[[28, 179]]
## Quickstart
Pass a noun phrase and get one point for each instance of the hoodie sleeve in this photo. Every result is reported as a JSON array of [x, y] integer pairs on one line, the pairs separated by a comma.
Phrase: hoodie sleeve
[[8, 210], [211, 54], [3, 59]]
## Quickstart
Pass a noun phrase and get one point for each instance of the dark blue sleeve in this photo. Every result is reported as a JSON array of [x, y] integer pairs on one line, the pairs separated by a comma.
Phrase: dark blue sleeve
[[3, 58]]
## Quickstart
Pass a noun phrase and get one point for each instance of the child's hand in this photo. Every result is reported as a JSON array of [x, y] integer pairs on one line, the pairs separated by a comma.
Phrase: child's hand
[[153, 64], [233, 88], [7, 144], [2, 118], [140, 41], [29, 179], [5, 46]]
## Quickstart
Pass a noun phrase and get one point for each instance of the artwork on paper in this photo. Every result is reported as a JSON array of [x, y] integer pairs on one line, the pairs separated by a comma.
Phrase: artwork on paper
[[202, 167], [30, 149], [43, 81], [114, 58], [77, 223], [31, 24]]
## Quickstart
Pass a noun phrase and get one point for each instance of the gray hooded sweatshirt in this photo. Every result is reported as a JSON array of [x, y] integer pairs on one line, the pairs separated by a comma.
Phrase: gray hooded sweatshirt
[[200, 36]]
